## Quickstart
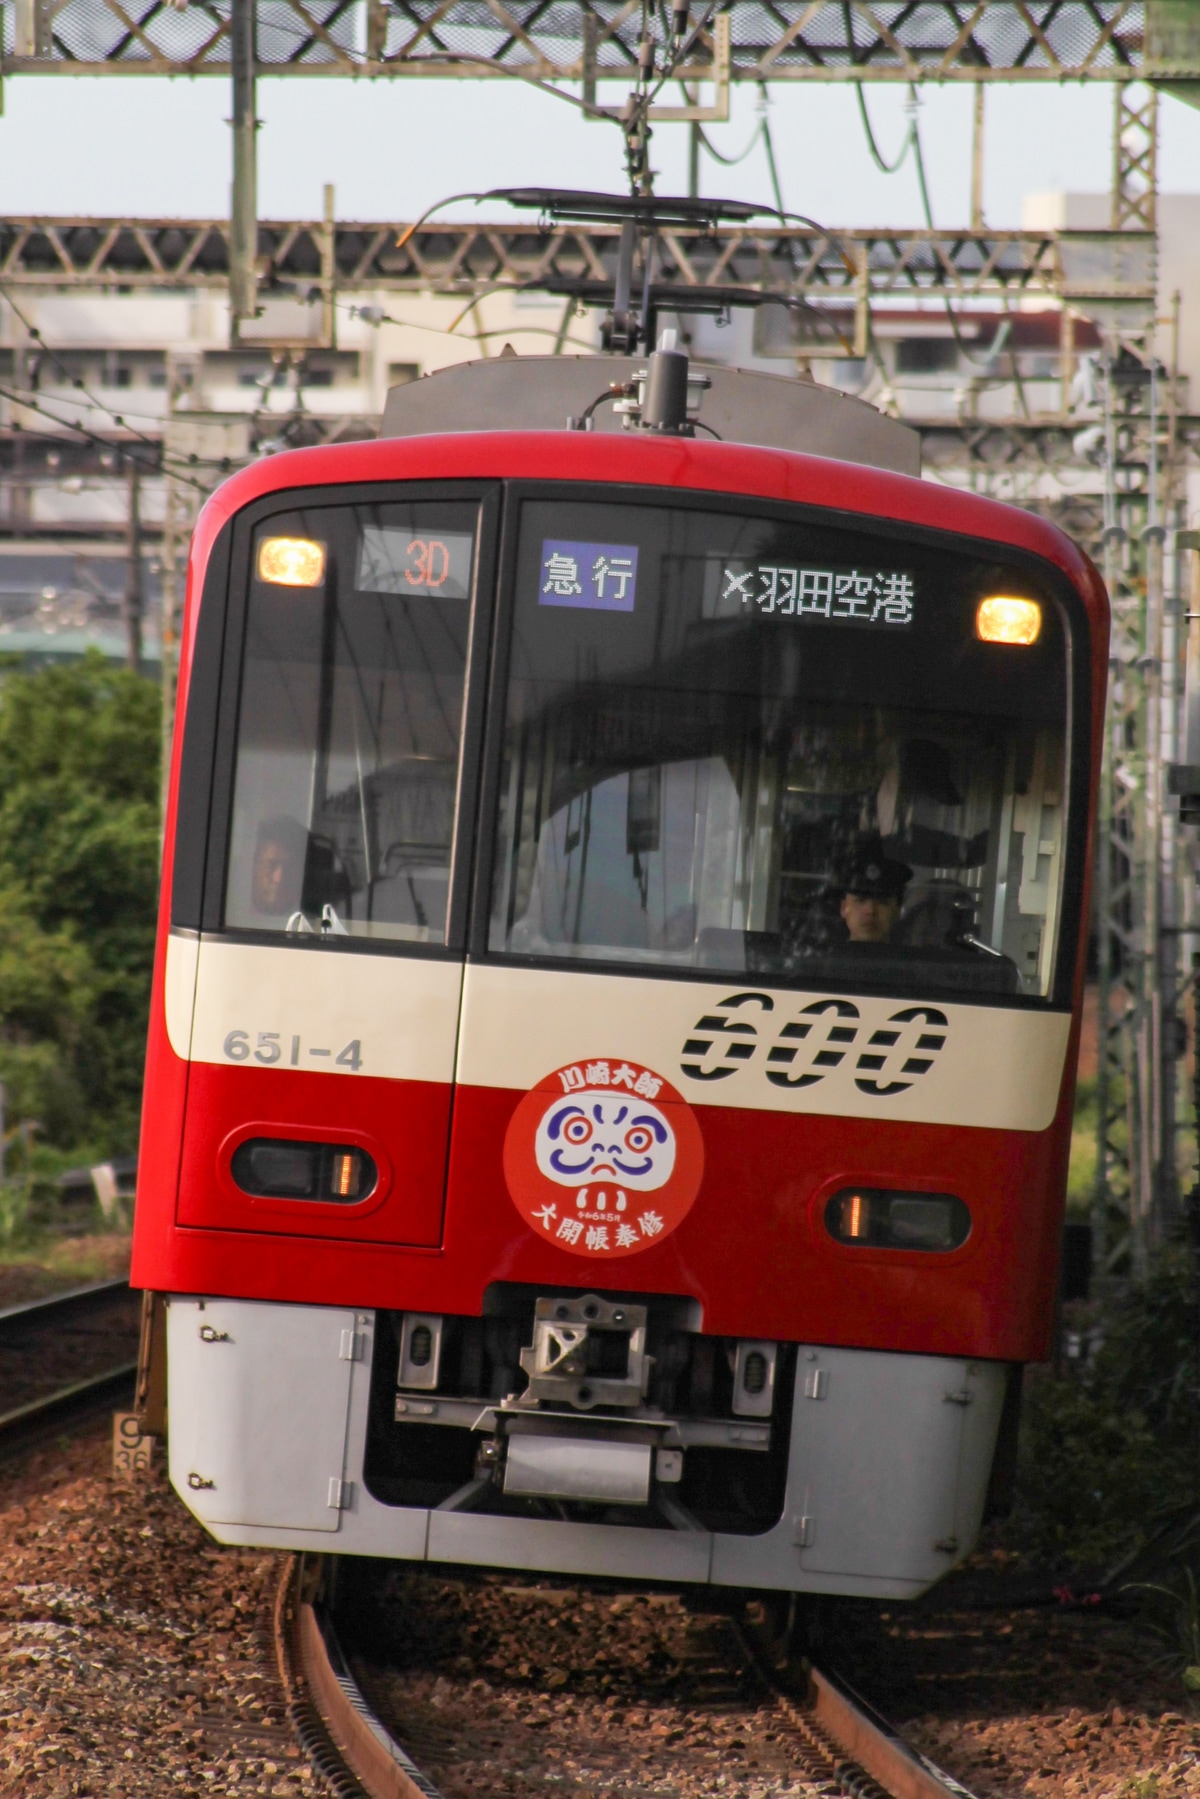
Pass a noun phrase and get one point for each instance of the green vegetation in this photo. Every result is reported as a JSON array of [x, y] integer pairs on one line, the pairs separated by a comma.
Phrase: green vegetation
[[1109, 1452], [40, 1264], [1081, 1178], [1108, 1483], [79, 762]]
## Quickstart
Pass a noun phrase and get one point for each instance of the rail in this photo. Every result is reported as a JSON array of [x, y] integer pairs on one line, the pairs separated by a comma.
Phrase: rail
[[74, 1401], [845, 1743], [842, 1726], [72, 1302]]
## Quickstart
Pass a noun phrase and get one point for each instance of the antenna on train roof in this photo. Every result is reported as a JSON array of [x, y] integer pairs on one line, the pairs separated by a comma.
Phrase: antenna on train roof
[[663, 398]]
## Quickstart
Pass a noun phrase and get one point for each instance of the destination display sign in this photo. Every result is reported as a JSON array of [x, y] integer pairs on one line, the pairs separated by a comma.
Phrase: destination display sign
[[882, 598]]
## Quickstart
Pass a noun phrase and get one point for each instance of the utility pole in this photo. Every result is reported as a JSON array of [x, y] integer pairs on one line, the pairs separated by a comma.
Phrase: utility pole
[[329, 270], [179, 514], [134, 585], [977, 160], [1158, 967], [243, 222], [25, 376], [1144, 909]]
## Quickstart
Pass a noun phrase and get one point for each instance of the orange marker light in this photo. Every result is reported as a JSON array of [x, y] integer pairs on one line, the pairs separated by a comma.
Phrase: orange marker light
[[291, 561], [1005, 619], [345, 1176], [854, 1215]]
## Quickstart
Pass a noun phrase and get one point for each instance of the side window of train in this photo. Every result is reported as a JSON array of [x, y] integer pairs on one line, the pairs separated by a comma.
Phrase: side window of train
[[785, 747], [350, 719]]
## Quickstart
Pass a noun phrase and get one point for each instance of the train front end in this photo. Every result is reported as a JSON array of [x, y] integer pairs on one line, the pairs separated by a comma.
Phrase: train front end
[[612, 1046]]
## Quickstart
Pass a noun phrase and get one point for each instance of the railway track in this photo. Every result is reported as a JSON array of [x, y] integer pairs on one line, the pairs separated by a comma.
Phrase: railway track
[[831, 1739], [64, 1359], [822, 1736]]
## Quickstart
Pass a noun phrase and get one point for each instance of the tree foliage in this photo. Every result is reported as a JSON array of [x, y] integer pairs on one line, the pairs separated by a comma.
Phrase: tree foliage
[[1110, 1452], [79, 760]]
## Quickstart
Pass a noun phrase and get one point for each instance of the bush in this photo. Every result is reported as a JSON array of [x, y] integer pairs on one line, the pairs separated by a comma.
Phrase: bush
[[1106, 1454], [79, 760], [1081, 1177]]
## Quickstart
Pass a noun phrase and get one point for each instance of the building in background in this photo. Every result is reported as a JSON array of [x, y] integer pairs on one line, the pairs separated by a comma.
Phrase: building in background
[[95, 387], [103, 395]]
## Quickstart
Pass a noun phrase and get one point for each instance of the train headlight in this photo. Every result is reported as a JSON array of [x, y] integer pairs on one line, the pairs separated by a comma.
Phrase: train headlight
[[880, 1218], [1003, 618], [291, 561]]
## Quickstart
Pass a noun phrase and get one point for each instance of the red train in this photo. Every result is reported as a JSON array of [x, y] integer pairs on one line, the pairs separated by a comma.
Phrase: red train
[[615, 1013]]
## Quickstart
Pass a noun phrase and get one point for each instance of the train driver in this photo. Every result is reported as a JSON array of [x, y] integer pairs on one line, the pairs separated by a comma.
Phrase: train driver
[[277, 877], [874, 893]]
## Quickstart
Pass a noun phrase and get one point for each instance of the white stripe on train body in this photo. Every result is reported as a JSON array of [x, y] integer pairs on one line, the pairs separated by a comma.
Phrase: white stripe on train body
[[991, 1067], [403, 1010]]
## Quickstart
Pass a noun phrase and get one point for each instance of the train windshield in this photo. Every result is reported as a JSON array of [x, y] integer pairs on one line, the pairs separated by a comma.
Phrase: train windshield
[[349, 721], [766, 745]]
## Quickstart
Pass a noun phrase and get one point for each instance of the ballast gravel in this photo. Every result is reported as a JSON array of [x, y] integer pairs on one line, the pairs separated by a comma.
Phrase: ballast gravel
[[1063, 1698], [514, 1689], [521, 1687], [136, 1656], [136, 1662]]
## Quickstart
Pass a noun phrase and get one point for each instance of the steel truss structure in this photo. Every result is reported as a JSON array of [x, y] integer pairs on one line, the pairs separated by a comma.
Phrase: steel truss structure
[[454, 258], [590, 41], [764, 260], [1146, 914]]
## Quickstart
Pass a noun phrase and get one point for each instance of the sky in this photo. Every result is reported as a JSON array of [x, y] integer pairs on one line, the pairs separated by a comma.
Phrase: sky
[[149, 146]]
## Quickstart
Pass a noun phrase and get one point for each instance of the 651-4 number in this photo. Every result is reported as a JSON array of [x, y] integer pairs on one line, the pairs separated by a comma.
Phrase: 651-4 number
[[270, 1047]]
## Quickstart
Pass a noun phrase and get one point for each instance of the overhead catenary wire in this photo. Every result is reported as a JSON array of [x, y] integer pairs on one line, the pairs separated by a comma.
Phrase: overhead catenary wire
[[769, 147], [987, 363], [635, 119], [887, 168], [410, 231], [162, 461], [727, 162], [681, 49], [28, 403], [34, 332], [372, 315], [762, 133], [166, 460]]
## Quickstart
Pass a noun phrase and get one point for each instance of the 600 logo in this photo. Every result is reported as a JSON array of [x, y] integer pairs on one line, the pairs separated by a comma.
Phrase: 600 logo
[[820, 1038]]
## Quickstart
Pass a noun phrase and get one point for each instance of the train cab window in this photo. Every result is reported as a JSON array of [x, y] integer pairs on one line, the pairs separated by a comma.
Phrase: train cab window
[[775, 746], [349, 721]]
